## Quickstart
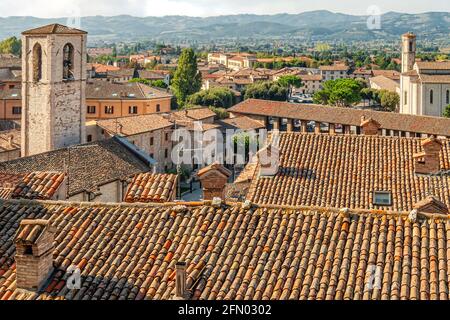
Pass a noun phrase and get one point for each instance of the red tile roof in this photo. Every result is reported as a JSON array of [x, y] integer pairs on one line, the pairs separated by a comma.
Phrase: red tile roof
[[35, 185], [345, 171], [347, 116], [130, 252], [147, 187]]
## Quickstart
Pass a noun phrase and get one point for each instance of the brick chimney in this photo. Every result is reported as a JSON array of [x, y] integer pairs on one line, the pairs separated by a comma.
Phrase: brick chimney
[[432, 205], [370, 127], [429, 161], [214, 178], [10, 140], [34, 254], [269, 161]]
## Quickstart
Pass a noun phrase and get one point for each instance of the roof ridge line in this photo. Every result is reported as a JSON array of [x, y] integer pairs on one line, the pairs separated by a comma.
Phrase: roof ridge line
[[374, 212]]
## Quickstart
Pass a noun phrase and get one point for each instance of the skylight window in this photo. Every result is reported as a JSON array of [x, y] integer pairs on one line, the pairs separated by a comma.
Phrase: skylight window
[[382, 198]]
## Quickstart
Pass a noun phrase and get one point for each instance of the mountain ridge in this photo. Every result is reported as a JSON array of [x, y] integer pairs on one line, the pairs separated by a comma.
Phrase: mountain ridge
[[320, 25]]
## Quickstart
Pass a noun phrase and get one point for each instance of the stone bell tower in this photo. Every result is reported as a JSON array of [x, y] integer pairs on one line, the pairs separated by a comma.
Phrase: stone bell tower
[[408, 51], [53, 88]]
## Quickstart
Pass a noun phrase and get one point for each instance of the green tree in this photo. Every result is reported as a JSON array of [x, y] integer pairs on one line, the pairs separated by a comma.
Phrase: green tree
[[389, 100], [221, 113], [447, 111], [159, 84], [266, 91], [216, 97], [340, 92], [290, 82], [187, 80], [11, 45]]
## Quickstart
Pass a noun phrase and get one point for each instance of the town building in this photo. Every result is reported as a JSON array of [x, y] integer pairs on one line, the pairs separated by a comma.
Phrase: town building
[[10, 72], [334, 120], [384, 83], [151, 133], [333, 72], [233, 61], [104, 100], [425, 86], [98, 171], [107, 100], [365, 171]]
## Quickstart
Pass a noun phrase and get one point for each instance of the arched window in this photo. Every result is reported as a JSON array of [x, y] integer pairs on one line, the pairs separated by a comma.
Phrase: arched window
[[37, 62], [68, 59], [447, 97], [431, 96]]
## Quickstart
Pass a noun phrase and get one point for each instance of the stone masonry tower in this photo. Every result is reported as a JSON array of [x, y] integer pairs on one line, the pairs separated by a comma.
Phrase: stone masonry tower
[[53, 88], [408, 51]]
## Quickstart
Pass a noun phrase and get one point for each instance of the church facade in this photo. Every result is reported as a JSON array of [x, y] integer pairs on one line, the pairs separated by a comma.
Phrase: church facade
[[425, 86]]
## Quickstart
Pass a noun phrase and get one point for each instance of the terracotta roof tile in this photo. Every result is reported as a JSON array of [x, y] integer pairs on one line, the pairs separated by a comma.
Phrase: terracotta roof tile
[[38, 185], [147, 187], [243, 123], [345, 171], [130, 252], [133, 125]]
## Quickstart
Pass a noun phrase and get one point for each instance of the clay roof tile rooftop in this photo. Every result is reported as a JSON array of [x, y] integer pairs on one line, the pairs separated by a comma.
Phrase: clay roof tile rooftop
[[129, 252]]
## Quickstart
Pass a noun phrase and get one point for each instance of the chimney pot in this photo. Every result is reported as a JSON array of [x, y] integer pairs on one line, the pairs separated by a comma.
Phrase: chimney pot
[[180, 280]]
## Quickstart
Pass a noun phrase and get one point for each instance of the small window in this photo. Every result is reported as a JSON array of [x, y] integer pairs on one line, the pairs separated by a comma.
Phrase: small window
[[133, 110], [411, 47], [152, 141], [109, 110], [17, 110], [406, 97], [447, 97], [167, 153], [37, 62], [431, 96], [382, 198], [89, 138], [167, 136], [152, 156], [158, 108], [91, 109], [68, 62]]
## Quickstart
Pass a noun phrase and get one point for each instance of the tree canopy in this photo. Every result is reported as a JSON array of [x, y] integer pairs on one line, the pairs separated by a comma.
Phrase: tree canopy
[[447, 111], [187, 79], [11, 45], [216, 97], [340, 92], [266, 91], [157, 83]]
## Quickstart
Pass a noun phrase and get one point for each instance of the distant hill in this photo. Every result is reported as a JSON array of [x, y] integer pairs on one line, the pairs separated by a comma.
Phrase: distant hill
[[314, 25]]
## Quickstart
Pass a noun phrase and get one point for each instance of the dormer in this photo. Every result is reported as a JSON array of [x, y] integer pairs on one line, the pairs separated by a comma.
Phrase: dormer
[[269, 161], [34, 254], [214, 178], [432, 205], [428, 161], [370, 127]]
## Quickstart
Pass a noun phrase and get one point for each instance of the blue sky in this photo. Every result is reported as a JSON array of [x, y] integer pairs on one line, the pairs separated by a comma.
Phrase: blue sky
[[52, 8]]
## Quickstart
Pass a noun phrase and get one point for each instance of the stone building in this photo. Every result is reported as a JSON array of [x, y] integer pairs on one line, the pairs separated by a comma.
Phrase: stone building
[[53, 88], [425, 86]]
